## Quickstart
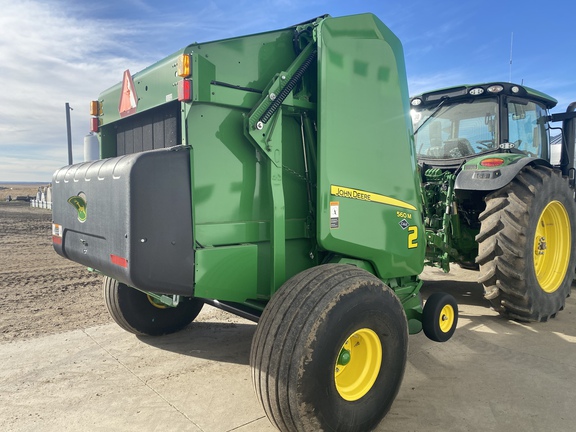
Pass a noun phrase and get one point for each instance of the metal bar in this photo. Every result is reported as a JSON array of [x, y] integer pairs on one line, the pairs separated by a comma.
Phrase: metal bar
[[69, 133], [278, 228], [233, 309], [306, 170]]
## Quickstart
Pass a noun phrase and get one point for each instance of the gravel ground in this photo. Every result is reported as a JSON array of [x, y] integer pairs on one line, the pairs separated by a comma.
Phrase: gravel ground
[[41, 292]]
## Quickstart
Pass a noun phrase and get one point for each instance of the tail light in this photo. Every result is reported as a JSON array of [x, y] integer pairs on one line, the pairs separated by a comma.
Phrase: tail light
[[492, 162]]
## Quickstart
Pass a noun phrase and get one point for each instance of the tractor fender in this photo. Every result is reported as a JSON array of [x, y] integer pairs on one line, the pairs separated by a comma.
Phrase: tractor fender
[[489, 179]]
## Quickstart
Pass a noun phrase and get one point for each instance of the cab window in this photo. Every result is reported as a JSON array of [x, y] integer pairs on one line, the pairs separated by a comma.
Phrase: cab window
[[527, 127], [456, 130]]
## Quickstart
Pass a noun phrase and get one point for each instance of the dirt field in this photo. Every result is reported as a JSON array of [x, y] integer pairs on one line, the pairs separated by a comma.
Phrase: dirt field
[[40, 292]]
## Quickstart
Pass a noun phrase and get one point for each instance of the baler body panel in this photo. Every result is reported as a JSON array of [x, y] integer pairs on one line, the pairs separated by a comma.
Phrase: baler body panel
[[366, 173]]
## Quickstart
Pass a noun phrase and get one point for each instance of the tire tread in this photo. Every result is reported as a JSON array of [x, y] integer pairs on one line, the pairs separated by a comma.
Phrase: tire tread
[[503, 246]]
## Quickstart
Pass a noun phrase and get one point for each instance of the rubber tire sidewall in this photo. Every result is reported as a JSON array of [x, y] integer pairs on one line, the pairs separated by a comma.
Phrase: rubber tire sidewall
[[132, 310], [431, 316], [299, 338], [553, 301], [317, 384], [520, 294]]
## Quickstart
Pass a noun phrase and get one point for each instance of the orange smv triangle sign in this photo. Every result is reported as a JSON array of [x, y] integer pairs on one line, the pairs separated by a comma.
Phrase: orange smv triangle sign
[[128, 98]]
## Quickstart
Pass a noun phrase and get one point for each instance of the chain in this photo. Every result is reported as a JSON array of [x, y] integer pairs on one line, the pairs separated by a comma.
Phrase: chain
[[294, 173]]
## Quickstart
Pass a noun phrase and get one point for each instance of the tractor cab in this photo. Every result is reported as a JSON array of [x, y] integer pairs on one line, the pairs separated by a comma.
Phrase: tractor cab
[[455, 125]]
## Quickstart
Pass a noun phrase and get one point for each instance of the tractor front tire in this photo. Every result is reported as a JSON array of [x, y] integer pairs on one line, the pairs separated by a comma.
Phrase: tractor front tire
[[138, 313], [329, 352], [526, 245]]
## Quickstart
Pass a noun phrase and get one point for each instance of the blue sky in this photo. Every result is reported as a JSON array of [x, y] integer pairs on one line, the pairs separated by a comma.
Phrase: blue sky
[[58, 51]]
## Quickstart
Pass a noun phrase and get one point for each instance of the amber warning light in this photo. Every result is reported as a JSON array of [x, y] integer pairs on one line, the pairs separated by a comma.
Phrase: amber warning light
[[94, 108], [184, 70]]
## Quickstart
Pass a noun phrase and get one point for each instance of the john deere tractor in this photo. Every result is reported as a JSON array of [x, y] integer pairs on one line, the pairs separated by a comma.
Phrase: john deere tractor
[[496, 195]]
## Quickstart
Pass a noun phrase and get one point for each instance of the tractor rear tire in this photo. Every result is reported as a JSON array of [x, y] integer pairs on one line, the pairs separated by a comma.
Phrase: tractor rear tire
[[526, 245], [329, 351], [138, 313]]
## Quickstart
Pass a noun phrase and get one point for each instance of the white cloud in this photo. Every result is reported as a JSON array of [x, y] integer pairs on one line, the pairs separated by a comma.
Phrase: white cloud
[[48, 58], [53, 52]]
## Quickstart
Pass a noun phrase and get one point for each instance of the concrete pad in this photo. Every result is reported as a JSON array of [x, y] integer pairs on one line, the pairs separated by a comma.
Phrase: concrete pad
[[494, 375], [103, 378]]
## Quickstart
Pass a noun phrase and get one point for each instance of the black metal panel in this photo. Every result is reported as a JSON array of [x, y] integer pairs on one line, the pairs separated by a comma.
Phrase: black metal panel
[[153, 129], [147, 140], [137, 225]]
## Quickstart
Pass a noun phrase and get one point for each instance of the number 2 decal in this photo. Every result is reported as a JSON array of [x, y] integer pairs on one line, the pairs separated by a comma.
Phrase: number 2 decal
[[412, 237]]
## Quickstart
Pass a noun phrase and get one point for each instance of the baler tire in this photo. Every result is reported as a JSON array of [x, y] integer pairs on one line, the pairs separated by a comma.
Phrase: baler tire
[[440, 317], [136, 313], [528, 275], [301, 373]]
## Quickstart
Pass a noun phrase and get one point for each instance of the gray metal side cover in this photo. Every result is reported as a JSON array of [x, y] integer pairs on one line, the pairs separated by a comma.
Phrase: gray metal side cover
[[130, 218]]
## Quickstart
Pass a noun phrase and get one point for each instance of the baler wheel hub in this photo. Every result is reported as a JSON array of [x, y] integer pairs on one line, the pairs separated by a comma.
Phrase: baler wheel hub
[[358, 364]]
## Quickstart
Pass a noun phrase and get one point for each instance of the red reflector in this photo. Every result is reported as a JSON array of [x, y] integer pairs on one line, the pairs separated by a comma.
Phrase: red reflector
[[94, 124], [185, 90], [122, 262], [492, 162], [56, 240]]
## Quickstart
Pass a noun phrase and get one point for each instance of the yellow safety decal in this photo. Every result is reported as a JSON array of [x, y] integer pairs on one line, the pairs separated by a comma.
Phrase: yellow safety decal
[[361, 195], [412, 237]]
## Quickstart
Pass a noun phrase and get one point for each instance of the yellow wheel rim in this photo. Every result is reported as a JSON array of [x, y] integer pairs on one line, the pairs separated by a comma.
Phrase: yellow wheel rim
[[156, 303], [358, 364], [552, 246], [446, 318]]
